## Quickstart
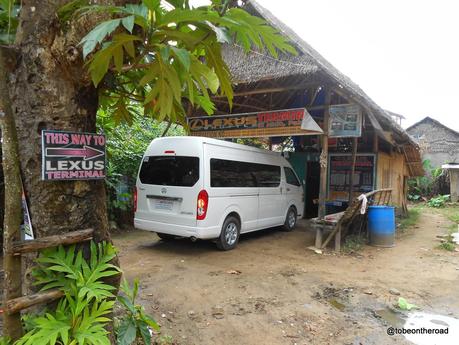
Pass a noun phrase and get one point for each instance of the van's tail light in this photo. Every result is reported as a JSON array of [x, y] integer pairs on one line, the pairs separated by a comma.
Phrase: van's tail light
[[203, 203], [135, 199]]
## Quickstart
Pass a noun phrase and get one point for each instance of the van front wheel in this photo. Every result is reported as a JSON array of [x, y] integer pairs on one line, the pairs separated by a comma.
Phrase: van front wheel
[[230, 234], [290, 219]]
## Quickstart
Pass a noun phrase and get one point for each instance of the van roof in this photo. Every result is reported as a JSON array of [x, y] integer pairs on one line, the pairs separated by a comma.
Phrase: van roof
[[218, 142]]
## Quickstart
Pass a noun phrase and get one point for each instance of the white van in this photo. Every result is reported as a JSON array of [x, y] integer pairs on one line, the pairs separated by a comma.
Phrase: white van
[[213, 189]]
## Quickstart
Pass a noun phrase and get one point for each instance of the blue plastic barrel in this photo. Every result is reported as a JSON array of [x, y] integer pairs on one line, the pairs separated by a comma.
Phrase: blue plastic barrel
[[381, 225]]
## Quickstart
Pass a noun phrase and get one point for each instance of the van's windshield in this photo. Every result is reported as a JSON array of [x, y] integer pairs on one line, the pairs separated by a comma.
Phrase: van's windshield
[[181, 171]]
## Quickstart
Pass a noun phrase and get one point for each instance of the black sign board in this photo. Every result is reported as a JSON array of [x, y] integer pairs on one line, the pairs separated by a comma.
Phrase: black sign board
[[72, 155]]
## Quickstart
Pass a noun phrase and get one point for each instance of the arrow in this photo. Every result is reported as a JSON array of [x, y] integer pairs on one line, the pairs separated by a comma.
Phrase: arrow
[[86, 152]]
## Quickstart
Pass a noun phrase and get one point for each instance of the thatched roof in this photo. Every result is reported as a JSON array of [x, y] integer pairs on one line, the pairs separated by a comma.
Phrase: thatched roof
[[255, 66], [310, 65], [428, 119]]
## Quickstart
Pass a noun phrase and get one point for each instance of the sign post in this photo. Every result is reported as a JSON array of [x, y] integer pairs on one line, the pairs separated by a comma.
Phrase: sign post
[[72, 156]]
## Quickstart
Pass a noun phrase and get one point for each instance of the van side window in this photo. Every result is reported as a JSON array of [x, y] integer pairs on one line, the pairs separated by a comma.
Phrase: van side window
[[181, 171], [290, 177], [267, 175], [227, 173]]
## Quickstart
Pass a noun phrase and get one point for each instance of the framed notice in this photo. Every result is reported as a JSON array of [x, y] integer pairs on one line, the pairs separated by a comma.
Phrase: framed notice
[[72, 156], [345, 121]]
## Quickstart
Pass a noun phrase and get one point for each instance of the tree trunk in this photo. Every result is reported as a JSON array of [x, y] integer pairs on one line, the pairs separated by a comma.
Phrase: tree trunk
[[50, 90], [13, 191]]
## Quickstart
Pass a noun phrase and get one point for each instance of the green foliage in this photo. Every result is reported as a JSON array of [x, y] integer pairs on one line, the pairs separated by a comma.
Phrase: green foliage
[[255, 142], [81, 315], [4, 340], [165, 340], [424, 186], [136, 323], [161, 55], [447, 245], [438, 201], [404, 305], [124, 156], [9, 13], [353, 243], [410, 220]]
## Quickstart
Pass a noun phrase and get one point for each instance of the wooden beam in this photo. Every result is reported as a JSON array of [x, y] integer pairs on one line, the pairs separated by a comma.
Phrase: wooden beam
[[241, 105], [22, 247], [316, 92], [269, 90], [16, 305]]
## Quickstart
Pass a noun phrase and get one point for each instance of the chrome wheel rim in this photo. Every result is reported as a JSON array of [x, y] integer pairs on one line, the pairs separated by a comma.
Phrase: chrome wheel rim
[[291, 219], [231, 234]]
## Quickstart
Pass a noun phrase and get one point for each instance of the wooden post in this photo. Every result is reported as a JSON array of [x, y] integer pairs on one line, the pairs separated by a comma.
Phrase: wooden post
[[324, 157], [13, 204], [323, 167], [375, 142], [338, 239], [354, 158]]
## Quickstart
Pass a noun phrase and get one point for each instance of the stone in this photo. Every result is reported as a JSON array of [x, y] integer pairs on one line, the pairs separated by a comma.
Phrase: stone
[[218, 312], [395, 292], [192, 314]]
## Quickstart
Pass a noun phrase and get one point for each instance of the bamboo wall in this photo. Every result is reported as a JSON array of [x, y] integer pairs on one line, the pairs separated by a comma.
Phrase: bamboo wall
[[391, 172]]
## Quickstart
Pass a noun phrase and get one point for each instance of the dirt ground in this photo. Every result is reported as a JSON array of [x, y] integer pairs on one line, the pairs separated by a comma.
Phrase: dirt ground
[[272, 290]]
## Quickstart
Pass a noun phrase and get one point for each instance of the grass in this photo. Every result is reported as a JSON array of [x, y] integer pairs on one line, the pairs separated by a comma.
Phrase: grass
[[448, 245], [451, 212], [410, 220], [353, 243]]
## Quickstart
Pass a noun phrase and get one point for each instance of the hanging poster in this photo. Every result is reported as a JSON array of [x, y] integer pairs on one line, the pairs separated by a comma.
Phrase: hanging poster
[[72, 155], [345, 121]]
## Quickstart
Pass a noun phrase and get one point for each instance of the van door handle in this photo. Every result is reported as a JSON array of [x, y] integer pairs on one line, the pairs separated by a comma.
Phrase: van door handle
[[141, 188], [288, 189]]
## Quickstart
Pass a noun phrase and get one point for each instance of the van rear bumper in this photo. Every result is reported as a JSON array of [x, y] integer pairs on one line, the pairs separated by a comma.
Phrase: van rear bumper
[[177, 230]]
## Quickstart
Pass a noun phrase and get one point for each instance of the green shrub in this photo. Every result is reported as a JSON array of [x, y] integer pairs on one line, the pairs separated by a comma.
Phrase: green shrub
[[80, 316], [449, 246], [438, 201], [136, 324]]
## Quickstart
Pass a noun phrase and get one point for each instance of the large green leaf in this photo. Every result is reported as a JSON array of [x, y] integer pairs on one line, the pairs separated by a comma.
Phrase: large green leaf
[[127, 332]]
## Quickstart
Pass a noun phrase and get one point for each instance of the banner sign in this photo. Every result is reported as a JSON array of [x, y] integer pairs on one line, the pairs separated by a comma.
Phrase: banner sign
[[72, 155], [345, 121], [260, 124]]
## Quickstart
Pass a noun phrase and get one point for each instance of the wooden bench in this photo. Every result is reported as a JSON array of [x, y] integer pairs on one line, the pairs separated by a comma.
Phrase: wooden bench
[[338, 224]]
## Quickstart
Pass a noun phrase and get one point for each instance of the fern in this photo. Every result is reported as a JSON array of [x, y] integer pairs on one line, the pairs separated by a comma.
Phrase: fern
[[81, 315]]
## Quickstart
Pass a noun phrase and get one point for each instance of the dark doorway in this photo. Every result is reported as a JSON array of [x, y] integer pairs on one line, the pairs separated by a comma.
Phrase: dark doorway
[[312, 189]]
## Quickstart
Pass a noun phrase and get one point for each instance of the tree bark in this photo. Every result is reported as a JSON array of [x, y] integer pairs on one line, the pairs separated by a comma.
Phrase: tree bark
[[50, 89], [13, 190]]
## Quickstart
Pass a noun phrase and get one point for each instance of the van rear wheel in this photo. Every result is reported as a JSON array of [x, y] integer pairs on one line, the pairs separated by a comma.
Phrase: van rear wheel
[[165, 237], [229, 236], [290, 219]]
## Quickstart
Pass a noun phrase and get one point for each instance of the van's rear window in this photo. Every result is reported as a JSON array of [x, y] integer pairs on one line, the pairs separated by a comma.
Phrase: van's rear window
[[178, 171]]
